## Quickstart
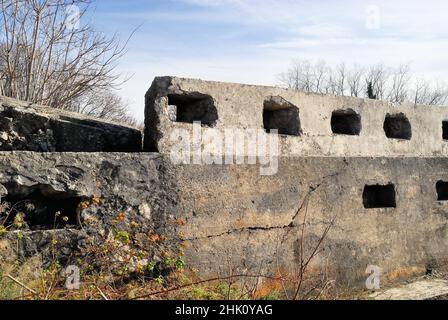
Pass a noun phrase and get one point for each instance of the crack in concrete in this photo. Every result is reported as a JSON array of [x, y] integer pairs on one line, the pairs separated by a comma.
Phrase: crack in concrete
[[312, 189], [247, 229], [291, 225]]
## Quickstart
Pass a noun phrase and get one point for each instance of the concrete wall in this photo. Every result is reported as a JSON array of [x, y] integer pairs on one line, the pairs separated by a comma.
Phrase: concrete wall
[[231, 217], [233, 214], [241, 106], [237, 217], [140, 186]]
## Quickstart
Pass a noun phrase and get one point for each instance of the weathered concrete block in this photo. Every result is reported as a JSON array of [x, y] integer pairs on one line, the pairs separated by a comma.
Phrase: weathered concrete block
[[378, 169], [232, 215], [88, 190], [237, 218], [41, 129], [309, 124], [376, 172]]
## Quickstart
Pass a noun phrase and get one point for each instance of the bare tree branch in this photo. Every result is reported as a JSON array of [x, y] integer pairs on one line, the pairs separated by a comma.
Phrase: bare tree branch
[[50, 56], [395, 85]]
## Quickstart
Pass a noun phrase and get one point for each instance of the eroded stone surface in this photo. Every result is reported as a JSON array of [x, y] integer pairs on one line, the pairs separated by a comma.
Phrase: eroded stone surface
[[234, 214], [419, 290], [231, 217], [131, 194], [307, 131], [29, 127]]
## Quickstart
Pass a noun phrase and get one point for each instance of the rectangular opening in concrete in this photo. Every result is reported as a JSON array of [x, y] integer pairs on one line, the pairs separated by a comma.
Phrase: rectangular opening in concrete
[[442, 190], [38, 208], [397, 126], [346, 122], [445, 130], [193, 107], [378, 196], [281, 115]]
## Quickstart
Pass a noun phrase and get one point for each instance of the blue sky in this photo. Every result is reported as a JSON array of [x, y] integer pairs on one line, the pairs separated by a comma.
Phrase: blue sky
[[252, 41]]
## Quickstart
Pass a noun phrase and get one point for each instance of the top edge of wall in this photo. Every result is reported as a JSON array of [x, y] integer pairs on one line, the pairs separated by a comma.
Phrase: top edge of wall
[[54, 112], [167, 82]]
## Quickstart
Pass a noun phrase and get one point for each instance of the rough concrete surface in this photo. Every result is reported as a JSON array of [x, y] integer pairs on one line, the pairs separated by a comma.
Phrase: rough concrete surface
[[242, 106], [255, 223], [30, 127], [377, 173], [419, 290], [140, 186]]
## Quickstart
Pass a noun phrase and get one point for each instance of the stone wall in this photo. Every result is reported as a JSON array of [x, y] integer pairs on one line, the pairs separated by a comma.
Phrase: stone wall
[[140, 187]]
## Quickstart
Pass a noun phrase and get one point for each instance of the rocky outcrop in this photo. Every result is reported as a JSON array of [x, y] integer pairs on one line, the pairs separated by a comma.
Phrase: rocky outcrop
[[68, 201], [36, 128]]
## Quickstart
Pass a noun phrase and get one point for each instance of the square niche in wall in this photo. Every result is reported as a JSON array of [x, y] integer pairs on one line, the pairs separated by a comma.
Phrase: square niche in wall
[[445, 130], [346, 122], [193, 107], [379, 196], [281, 115], [398, 126], [442, 190]]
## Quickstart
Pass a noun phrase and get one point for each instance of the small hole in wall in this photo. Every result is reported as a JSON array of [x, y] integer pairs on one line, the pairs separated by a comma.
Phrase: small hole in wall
[[379, 197], [346, 122], [281, 115], [398, 127], [192, 107], [38, 208], [445, 130], [442, 191]]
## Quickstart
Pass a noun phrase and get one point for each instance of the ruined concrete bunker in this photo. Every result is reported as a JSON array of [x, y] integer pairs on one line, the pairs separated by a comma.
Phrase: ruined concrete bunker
[[379, 171]]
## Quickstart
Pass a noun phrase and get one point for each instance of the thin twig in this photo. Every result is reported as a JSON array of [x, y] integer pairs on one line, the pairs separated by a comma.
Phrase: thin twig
[[102, 294], [21, 284]]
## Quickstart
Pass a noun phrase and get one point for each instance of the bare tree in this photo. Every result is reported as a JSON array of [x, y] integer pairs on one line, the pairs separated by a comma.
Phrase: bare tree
[[438, 95], [399, 84], [320, 76], [291, 77], [103, 104], [341, 72], [429, 93], [300, 76], [421, 91], [2, 87], [377, 77], [354, 80], [47, 56], [396, 85], [332, 83]]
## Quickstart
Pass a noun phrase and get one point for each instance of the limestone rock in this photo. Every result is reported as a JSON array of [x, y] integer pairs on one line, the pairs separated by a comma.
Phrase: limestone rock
[[48, 189], [36, 128]]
